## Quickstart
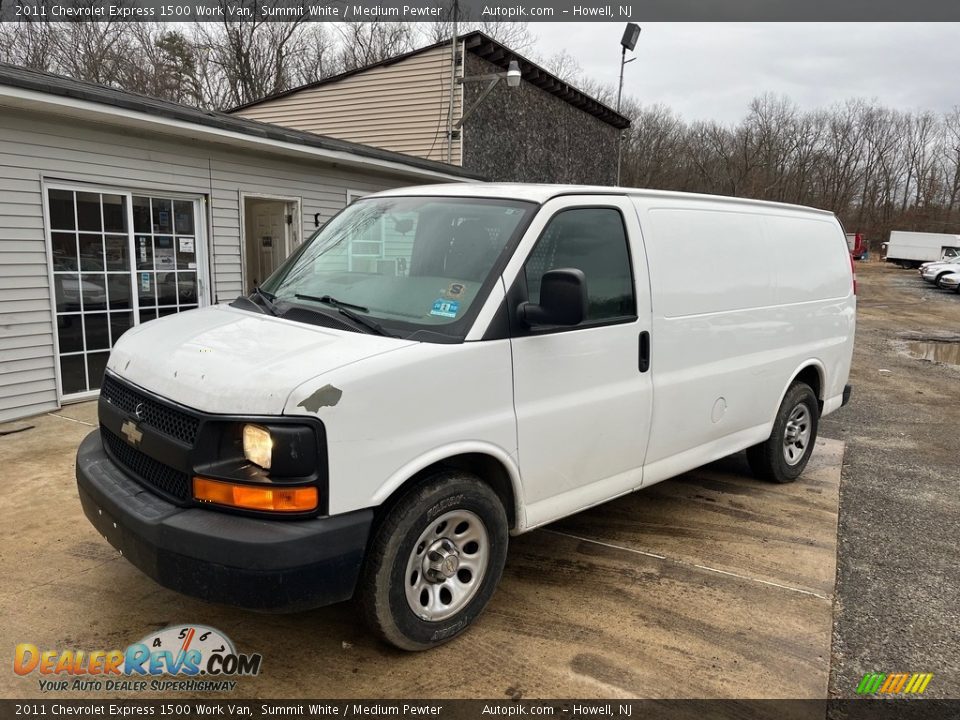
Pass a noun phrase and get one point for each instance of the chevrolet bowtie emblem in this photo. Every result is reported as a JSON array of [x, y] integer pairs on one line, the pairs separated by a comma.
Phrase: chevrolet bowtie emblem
[[131, 432]]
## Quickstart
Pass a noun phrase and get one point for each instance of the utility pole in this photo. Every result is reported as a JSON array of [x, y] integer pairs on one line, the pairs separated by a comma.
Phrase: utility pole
[[454, 44], [628, 42]]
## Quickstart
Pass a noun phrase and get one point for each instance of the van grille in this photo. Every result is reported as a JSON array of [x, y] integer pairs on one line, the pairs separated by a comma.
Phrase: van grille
[[161, 417], [144, 468]]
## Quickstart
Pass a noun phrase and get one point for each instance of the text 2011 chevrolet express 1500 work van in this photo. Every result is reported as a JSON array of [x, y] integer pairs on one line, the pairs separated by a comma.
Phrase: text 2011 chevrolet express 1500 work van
[[440, 367]]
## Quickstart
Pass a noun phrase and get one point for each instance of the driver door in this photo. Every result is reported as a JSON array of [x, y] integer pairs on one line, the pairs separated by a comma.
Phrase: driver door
[[582, 396]]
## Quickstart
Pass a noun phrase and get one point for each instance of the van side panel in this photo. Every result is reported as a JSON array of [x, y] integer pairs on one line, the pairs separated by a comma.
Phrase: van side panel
[[743, 298]]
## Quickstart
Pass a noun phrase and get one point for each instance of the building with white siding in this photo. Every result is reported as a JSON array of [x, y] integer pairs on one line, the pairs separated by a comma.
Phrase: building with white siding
[[117, 208], [543, 130]]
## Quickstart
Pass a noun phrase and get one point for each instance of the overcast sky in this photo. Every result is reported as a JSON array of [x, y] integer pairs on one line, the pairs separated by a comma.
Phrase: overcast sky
[[713, 70]]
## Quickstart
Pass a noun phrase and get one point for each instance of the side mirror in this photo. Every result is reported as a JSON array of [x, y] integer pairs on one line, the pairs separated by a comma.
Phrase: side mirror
[[563, 299]]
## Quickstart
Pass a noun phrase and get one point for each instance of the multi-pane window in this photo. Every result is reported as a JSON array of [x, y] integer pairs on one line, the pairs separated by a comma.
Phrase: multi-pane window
[[102, 267], [165, 254]]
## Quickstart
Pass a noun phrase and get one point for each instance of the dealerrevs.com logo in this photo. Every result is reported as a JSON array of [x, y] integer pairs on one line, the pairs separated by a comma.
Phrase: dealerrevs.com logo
[[181, 657]]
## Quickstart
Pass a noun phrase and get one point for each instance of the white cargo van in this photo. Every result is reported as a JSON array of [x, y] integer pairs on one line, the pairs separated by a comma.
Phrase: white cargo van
[[440, 367]]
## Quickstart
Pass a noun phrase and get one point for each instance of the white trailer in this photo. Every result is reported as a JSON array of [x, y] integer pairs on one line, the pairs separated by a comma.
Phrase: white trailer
[[911, 249]]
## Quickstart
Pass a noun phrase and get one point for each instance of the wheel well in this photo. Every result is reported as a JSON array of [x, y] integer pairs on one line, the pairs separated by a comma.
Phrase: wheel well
[[485, 467], [811, 376]]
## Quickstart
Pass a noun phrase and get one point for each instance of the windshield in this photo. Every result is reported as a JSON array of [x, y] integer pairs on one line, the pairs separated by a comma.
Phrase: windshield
[[405, 263]]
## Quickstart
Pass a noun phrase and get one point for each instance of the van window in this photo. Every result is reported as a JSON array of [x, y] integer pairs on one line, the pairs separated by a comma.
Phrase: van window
[[410, 263], [594, 241]]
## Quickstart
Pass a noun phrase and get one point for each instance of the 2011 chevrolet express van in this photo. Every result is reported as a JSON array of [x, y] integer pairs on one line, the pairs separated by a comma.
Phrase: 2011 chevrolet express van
[[440, 367]]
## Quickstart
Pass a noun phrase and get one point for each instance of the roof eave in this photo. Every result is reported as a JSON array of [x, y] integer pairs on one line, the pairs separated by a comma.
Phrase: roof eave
[[66, 104]]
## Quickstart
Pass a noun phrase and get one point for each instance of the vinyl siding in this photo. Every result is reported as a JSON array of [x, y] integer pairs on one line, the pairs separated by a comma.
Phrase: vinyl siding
[[401, 107], [37, 147]]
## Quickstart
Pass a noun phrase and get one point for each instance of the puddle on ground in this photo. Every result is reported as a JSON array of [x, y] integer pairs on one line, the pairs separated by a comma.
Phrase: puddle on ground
[[935, 351]]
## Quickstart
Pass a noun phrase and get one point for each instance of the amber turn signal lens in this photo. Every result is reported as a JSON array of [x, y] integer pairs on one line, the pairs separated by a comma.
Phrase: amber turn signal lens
[[253, 497]]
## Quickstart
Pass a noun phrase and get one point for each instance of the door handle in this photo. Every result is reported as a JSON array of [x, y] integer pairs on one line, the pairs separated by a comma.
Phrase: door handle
[[644, 351]]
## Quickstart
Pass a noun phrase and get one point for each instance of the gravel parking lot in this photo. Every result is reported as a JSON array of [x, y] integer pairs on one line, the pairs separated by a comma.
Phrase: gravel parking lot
[[899, 549]]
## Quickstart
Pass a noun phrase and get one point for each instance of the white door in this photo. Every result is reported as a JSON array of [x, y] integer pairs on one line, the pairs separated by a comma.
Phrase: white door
[[270, 237], [583, 394]]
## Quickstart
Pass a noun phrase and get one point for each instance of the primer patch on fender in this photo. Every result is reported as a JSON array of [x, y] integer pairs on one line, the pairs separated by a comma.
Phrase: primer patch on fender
[[327, 396]]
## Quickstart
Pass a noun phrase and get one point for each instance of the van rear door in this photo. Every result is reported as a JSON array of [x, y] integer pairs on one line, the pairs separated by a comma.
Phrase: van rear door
[[586, 386]]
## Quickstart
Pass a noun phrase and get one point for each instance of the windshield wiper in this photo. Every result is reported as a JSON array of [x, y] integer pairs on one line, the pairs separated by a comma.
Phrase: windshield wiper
[[267, 299], [330, 300], [343, 309]]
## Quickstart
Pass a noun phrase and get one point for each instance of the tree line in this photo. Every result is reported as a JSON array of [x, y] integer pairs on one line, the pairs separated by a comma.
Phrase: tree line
[[878, 168]]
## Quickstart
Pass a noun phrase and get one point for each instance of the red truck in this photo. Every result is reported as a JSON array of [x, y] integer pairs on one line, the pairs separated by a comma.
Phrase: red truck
[[856, 246]]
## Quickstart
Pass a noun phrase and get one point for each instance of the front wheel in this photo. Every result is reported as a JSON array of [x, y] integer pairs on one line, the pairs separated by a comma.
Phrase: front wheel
[[434, 562], [784, 455]]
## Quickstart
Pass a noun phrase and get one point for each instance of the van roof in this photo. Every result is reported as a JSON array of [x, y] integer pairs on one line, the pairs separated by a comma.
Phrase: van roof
[[540, 193]]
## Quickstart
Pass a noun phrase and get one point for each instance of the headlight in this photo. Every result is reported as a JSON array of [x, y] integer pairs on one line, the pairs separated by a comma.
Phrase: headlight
[[257, 445]]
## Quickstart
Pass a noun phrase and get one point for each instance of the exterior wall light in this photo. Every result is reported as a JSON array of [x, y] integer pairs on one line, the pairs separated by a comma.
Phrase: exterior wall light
[[512, 76]]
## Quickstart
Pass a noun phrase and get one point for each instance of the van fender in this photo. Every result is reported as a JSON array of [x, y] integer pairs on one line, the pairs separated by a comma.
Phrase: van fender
[[444, 452], [809, 362]]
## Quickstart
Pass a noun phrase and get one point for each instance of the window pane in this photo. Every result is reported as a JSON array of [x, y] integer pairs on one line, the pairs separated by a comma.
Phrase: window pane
[[64, 251], [144, 249], [163, 255], [91, 252], [66, 289], [146, 289], [141, 215], [96, 364], [118, 252], [186, 253], [95, 331], [592, 240], [119, 287], [61, 210], [163, 312], [166, 288], [147, 316], [119, 324], [187, 287], [114, 213], [183, 217], [93, 287], [88, 211], [70, 333], [162, 220], [73, 374]]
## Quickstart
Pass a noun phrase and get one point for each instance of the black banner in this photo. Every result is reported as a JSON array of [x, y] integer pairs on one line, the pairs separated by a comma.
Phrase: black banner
[[477, 10], [855, 709]]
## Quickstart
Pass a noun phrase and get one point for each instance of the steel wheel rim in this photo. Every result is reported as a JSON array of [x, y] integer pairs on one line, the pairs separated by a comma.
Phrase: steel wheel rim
[[447, 565], [796, 434]]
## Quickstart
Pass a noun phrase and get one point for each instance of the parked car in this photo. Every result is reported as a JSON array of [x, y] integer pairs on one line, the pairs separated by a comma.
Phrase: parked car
[[950, 281], [949, 255], [933, 273], [539, 350]]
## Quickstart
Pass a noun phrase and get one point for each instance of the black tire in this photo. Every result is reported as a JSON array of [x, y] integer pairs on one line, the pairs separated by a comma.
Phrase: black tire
[[383, 590], [769, 460]]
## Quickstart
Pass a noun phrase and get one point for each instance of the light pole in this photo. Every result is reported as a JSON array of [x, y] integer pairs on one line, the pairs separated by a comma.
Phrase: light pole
[[628, 42]]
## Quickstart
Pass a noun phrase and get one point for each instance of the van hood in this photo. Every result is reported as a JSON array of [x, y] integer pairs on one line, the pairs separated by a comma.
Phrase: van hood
[[224, 360]]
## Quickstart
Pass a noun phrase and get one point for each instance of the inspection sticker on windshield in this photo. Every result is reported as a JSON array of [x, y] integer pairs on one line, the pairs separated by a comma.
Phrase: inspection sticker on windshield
[[446, 308]]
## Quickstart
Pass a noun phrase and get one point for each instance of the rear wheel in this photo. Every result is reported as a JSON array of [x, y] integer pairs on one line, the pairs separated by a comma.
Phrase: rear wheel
[[784, 455], [435, 562]]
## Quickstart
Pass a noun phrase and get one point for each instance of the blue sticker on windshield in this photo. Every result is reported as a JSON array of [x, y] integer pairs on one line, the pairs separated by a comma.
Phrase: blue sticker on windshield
[[446, 308]]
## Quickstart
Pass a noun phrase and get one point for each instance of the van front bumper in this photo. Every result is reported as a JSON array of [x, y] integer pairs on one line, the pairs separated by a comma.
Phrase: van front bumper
[[267, 565]]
